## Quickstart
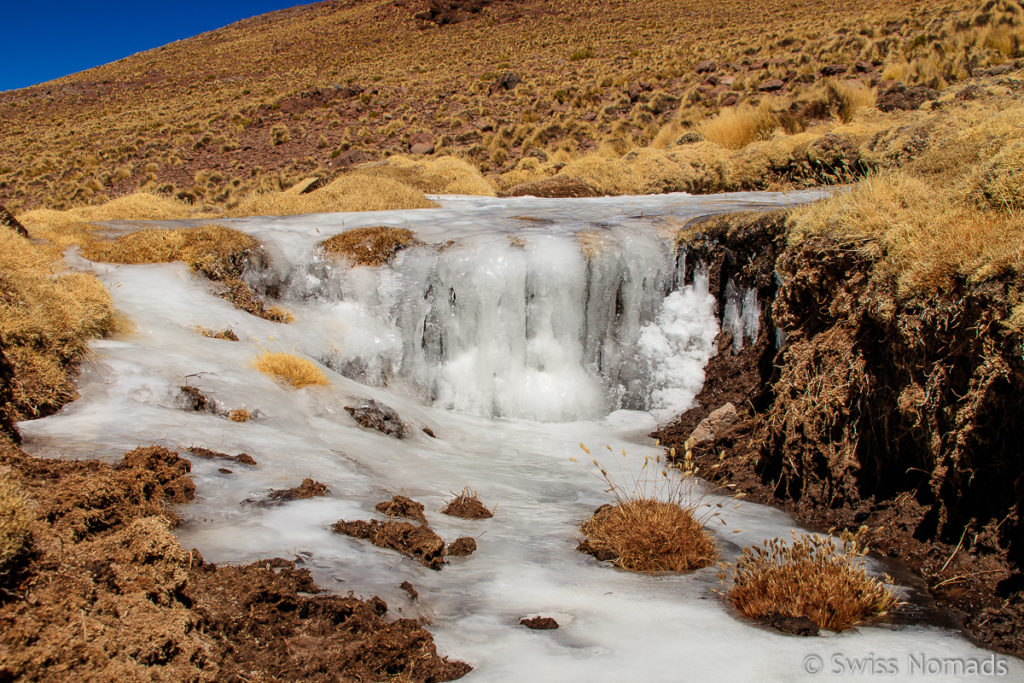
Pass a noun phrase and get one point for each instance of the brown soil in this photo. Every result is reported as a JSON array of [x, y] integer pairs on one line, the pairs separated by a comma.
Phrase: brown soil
[[108, 594], [401, 506], [462, 546], [408, 588], [417, 541], [539, 623], [207, 454], [467, 506], [309, 488], [195, 399], [902, 415]]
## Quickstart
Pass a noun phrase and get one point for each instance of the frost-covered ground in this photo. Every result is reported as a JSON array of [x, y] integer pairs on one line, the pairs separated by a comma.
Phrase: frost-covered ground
[[514, 343]]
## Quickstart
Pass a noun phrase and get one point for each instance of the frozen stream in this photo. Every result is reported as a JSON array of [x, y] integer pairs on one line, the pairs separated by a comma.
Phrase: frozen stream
[[539, 325]]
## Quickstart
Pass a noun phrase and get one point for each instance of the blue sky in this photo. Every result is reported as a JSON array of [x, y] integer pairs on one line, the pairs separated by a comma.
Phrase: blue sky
[[46, 40]]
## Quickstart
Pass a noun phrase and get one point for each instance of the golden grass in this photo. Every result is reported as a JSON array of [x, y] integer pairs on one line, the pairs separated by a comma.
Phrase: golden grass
[[811, 577], [349, 192], [291, 369], [46, 320], [15, 521], [648, 535], [226, 334], [653, 524], [373, 246], [736, 127], [240, 415], [434, 175], [849, 97], [213, 250]]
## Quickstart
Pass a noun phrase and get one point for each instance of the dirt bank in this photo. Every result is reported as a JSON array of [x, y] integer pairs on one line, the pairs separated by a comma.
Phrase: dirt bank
[[902, 414], [107, 593]]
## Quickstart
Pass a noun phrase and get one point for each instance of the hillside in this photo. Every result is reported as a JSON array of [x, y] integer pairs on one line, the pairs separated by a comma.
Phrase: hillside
[[509, 85]]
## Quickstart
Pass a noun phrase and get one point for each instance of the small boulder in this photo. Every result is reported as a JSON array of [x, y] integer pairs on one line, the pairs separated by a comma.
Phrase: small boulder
[[834, 69], [539, 623], [421, 143], [899, 96], [506, 81], [378, 416], [771, 85], [705, 66], [707, 428], [797, 626]]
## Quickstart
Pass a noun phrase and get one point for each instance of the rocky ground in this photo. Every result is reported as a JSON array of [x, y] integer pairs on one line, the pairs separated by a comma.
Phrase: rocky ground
[[904, 416]]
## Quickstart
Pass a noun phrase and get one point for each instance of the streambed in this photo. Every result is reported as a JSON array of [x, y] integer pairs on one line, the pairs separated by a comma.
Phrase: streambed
[[519, 330]]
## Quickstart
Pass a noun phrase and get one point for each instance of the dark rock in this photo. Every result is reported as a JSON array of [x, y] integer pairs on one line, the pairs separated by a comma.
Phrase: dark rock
[[730, 101], [429, 432], [8, 220], [462, 546], [771, 85], [353, 157], [834, 69], [378, 416], [705, 66], [899, 96], [224, 470], [798, 626], [506, 81], [559, 186], [422, 148], [971, 92], [539, 623], [864, 67]]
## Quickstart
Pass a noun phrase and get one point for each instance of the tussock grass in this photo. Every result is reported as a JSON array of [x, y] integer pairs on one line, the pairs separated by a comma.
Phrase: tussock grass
[[736, 127], [291, 369], [810, 577], [15, 521], [437, 175], [349, 192], [653, 525], [372, 246], [47, 318], [210, 249], [240, 415], [467, 505], [849, 97]]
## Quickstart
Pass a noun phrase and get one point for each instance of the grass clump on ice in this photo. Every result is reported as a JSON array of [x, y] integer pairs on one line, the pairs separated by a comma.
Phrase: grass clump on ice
[[373, 246], [652, 526], [813, 577], [291, 369]]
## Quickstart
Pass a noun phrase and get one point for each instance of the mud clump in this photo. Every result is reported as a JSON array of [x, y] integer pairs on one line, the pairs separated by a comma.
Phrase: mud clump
[[416, 541], [309, 488], [378, 416], [195, 400], [402, 506], [207, 454], [539, 623], [467, 506], [462, 546], [408, 588], [109, 594]]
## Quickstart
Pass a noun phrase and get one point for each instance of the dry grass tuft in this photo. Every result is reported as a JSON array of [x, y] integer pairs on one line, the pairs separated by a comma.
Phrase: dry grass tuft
[[46, 320], [437, 175], [811, 577], [652, 526], [240, 415], [467, 506], [214, 250], [737, 127], [374, 246], [15, 521], [849, 97], [1001, 179], [349, 192], [290, 369]]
